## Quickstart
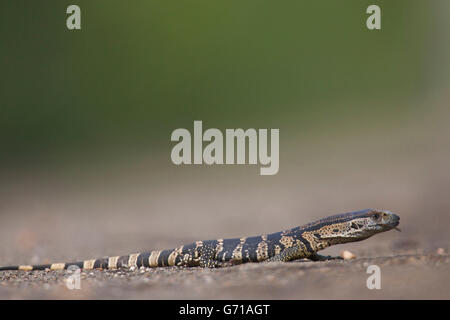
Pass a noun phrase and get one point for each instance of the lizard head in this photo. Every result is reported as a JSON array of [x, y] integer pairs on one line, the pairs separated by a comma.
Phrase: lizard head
[[355, 226], [372, 222]]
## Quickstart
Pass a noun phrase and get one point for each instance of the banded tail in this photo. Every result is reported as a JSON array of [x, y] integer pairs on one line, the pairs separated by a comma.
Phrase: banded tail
[[292, 244], [162, 258]]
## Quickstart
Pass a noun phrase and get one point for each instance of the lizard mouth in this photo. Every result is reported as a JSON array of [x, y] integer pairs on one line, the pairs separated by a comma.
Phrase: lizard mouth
[[395, 222]]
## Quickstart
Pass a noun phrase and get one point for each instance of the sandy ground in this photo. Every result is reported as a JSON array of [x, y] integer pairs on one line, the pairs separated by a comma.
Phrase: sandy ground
[[295, 280], [66, 214]]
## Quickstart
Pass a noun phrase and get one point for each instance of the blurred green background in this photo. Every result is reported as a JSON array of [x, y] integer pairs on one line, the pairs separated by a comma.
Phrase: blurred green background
[[138, 70], [86, 118]]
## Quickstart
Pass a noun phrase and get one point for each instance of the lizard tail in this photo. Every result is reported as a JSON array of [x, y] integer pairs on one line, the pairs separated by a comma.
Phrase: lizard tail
[[26, 268], [145, 259]]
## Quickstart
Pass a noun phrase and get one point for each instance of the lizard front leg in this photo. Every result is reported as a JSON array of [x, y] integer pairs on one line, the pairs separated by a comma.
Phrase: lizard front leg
[[319, 257], [288, 254]]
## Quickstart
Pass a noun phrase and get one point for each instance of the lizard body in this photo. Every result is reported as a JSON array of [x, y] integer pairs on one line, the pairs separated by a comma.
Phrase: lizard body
[[296, 243]]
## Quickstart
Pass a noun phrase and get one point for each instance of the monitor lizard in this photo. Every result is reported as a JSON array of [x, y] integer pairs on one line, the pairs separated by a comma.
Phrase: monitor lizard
[[292, 244]]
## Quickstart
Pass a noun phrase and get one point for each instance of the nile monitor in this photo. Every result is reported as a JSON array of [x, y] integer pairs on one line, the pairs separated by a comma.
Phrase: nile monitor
[[296, 243]]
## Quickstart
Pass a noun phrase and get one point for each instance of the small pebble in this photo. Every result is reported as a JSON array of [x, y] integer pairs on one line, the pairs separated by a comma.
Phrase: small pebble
[[347, 255], [440, 251]]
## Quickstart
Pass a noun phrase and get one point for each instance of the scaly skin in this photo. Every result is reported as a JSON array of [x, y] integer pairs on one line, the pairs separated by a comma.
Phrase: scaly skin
[[296, 243]]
